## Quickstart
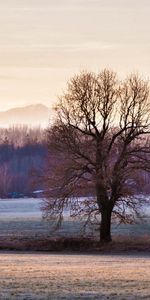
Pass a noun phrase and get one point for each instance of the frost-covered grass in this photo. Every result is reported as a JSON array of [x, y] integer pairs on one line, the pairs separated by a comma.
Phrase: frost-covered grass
[[43, 276], [20, 208], [23, 217], [66, 276]]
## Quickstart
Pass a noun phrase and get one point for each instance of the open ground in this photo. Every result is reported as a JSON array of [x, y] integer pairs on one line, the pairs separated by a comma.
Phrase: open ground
[[66, 275], [69, 277]]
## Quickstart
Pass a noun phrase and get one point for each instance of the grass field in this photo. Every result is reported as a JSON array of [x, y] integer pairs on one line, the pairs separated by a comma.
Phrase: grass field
[[45, 276], [23, 217], [22, 228], [42, 276]]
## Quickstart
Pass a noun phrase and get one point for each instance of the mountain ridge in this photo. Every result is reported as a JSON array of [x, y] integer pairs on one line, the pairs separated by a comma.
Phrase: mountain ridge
[[31, 115]]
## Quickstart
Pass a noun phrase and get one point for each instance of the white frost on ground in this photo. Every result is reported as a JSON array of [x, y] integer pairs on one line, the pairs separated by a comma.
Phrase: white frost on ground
[[71, 277], [20, 208], [24, 217]]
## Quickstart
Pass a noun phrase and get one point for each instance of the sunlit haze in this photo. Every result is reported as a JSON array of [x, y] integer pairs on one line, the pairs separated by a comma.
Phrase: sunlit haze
[[44, 42]]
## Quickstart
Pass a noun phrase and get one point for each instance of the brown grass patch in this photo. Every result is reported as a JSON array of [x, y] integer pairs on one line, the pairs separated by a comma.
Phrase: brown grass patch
[[77, 244]]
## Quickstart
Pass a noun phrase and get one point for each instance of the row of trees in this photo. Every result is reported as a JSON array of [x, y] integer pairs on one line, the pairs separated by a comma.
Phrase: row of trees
[[102, 143], [22, 135], [22, 154]]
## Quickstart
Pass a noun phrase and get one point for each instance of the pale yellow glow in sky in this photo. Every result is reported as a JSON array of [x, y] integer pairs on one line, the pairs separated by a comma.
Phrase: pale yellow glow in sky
[[44, 42]]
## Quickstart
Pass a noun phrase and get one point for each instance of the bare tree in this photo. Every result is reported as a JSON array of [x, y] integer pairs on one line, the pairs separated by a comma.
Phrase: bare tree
[[102, 137]]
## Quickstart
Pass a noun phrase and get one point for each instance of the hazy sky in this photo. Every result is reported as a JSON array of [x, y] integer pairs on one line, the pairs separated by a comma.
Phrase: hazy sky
[[44, 42]]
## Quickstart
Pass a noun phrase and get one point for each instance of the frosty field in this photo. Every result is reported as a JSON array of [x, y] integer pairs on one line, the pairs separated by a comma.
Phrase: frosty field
[[45, 276], [23, 217]]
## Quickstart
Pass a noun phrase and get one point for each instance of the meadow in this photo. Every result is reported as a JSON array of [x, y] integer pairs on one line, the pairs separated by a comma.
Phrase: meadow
[[71, 277], [23, 218], [120, 274]]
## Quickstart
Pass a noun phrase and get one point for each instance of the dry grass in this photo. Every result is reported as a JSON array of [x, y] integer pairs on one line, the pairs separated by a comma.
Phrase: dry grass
[[120, 244], [45, 276]]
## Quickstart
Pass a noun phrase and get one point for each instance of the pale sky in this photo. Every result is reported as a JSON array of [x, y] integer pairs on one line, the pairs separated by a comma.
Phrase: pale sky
[[45, 42]]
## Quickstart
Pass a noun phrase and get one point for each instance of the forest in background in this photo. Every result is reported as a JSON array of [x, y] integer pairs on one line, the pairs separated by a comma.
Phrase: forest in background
[[25, 159], [23, 152]]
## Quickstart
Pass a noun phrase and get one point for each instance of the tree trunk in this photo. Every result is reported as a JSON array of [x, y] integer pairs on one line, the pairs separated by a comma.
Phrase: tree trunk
[[105, 228]]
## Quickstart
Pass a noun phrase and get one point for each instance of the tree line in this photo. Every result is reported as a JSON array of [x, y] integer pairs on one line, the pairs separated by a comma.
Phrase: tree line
[[22, 155]]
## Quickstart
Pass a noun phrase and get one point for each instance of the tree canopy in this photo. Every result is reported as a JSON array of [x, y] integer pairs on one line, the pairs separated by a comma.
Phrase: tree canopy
[[102, 136]]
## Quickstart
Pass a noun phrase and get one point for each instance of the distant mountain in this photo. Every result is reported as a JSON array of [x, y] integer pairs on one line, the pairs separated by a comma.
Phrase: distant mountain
[[32, 115]]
